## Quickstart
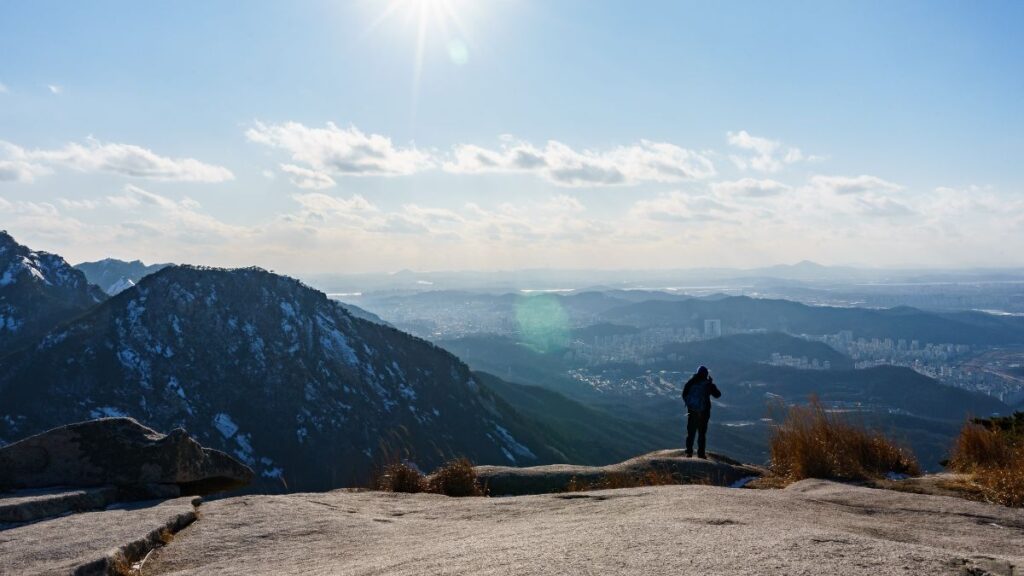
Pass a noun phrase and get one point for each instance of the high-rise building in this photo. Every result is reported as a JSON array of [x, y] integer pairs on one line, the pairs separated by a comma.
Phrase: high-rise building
[[712, 328]]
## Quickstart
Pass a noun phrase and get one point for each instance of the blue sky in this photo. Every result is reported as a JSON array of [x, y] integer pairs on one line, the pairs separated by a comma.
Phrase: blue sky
[[454, 134]]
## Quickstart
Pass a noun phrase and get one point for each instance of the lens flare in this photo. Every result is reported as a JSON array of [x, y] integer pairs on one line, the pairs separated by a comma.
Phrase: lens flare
[[458, 51], [543, 323]]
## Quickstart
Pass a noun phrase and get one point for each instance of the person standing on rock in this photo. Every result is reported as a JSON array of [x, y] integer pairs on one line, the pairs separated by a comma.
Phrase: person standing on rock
[[697, 394]]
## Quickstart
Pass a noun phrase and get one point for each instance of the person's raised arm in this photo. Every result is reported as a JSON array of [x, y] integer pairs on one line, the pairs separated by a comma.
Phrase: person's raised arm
[[715, 391]]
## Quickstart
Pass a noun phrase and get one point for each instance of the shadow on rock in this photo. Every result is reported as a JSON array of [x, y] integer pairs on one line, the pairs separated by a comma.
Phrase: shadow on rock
[[142, 463]]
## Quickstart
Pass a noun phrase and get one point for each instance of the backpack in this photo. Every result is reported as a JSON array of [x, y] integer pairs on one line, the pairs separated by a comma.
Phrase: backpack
[[697, 399]]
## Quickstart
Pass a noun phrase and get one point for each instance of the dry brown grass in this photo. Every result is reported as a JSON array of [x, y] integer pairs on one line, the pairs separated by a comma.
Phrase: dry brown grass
[[166, 536], [455, 478], [992, 452], [401, 477], [980, 447], [814, 443], [120, 566], [1003, 485]]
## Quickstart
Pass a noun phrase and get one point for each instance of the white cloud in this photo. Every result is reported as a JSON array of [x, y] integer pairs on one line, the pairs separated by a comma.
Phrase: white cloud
[[182, 220], [563, 203], [42, 220], [320, 154], [134, 196], [853, 184], [882, 206], [555, 219], [856, 196], [323, 205], [750, 187], [55, 89], [15, 166], [78, 204], [561, 165], [766, 155], [3, 88], [431, 216], [130, 160], [340, 151], [677, 206], [706, 226], [23, 165], [306, 178], [19, 171]]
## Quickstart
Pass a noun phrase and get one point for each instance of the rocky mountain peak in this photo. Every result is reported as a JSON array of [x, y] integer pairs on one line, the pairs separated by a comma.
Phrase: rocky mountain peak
[[20, 263], [115, 276], [268, 370], [38, 290]]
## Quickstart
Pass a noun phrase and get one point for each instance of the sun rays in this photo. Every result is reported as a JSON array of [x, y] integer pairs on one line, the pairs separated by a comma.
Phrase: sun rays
[[432, 24]]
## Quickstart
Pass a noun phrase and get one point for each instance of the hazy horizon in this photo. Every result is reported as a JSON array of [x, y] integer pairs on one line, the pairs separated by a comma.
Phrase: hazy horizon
[[449, 135]]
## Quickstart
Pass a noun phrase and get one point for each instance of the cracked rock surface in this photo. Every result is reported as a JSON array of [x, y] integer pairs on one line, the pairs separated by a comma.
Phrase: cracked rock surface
[[813, 527], [87, 543]]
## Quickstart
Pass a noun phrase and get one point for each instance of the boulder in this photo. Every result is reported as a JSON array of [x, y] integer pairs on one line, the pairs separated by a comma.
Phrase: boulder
[[123, 453]]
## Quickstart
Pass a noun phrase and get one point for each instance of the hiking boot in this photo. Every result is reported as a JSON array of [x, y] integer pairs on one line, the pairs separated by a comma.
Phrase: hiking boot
[[702, 455], [689, 453]]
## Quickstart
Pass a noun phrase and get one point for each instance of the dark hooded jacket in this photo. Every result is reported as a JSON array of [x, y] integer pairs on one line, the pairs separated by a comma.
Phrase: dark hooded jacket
[[698, 392]]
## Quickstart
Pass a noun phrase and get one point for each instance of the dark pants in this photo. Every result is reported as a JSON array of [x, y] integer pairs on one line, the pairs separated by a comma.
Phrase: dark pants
[[697, 423]]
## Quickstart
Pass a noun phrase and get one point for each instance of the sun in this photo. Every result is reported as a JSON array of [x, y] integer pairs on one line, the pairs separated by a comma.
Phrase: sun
[[433, 24], [430, 21]]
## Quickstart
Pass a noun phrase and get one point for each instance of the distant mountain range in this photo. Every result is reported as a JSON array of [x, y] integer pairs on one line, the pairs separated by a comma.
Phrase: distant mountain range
[[582, 279], [114, 276], [753, 348], [913, 408], [269, 370], [743, 313], [310, 392], [315, 394], [38, 290]]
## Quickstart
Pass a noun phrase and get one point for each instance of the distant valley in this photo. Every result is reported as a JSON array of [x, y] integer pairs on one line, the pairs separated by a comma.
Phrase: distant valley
[[315, 393]]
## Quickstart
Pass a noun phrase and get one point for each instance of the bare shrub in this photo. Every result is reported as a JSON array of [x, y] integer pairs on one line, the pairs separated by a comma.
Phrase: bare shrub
[[814, 443], [455, 478], [992, 451], [980, 447], [401, 477], [1003, 484]]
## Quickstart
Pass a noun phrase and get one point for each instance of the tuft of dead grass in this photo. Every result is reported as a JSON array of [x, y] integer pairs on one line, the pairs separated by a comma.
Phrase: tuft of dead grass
[[814, 443], [980, 447], [120, 566], [401, 477], [992, 452], [455, 478]]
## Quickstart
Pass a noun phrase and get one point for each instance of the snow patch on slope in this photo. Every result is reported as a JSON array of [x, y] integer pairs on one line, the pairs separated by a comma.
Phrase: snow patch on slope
[[107, 412], [225, 425], [512, 444]]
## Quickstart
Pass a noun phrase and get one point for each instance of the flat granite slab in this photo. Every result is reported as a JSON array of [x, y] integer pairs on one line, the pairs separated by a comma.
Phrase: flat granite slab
[[814, 527], [89, 542], [39, 503], [717, 470]]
